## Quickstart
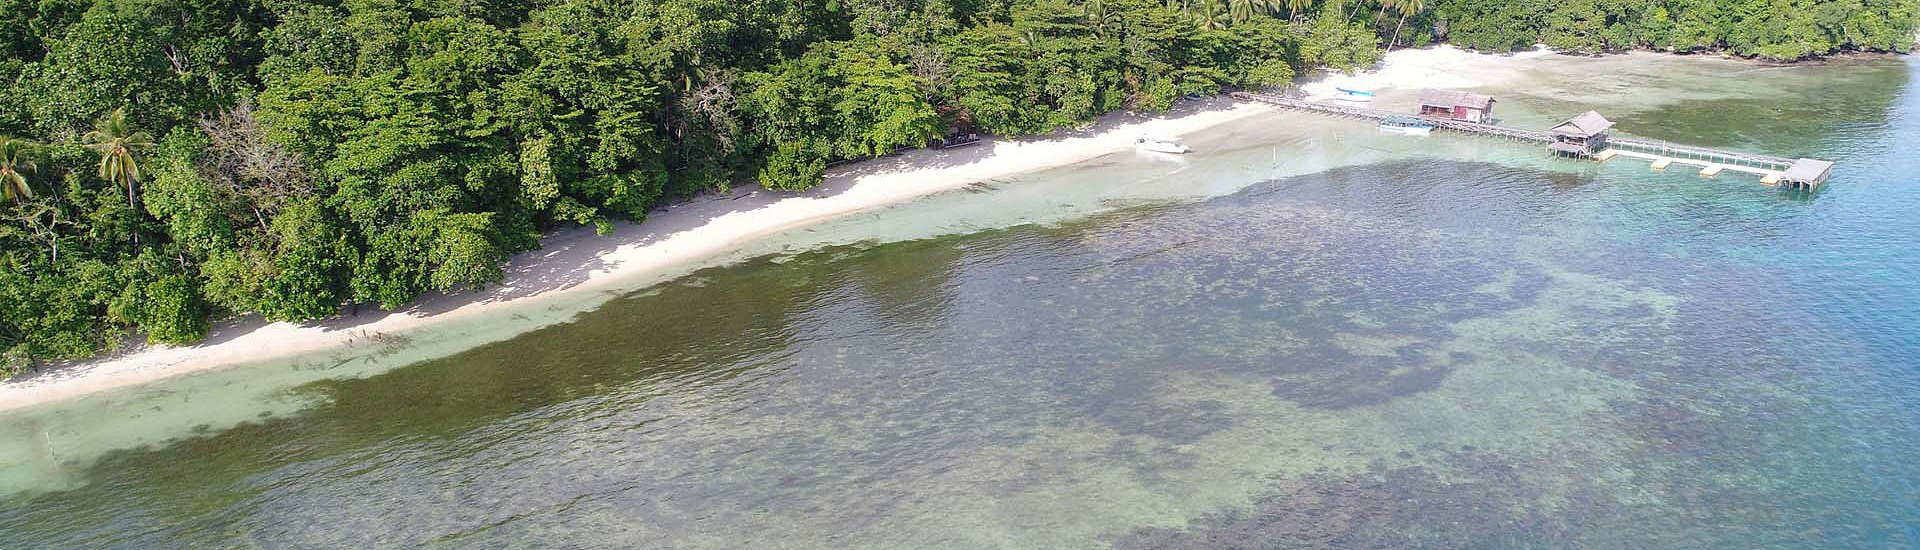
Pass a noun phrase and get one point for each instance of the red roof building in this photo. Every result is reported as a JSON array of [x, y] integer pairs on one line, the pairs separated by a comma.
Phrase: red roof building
[[1457, 105]]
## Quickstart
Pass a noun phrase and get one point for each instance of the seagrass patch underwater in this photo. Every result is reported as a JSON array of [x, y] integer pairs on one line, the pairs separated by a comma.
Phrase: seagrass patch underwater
[[1408, 351]]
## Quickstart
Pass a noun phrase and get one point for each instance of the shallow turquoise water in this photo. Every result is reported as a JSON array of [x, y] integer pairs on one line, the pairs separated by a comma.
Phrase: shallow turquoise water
[[1447, 343]]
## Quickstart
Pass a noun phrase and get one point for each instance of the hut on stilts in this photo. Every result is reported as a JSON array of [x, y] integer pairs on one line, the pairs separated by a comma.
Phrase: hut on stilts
[[1581, 136]]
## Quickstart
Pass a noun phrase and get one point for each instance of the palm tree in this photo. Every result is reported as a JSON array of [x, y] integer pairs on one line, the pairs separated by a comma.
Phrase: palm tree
[[1101, 17], [1212, 14], [16, 157], [1354, 8], [1294, 7], [117, 142], [1242, 10], [1404, 7]]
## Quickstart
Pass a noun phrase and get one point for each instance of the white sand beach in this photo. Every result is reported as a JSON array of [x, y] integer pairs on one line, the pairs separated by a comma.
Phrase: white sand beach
[[675, 235], [576, 261], [1435, 67]]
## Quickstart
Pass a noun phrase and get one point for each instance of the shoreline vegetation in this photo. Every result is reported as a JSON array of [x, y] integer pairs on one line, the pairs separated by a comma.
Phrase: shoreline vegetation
[[277, 163], [579, 261]]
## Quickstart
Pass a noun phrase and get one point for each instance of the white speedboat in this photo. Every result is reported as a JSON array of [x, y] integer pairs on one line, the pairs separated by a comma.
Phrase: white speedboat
[[1160, 144], [1406, 125]]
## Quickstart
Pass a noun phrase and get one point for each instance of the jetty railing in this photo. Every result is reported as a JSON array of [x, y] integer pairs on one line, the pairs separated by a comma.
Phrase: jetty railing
[[1379, 114], [1808, 172], [1667, 149]]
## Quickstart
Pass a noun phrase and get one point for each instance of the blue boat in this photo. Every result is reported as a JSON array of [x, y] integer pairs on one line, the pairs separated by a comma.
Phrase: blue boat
[[1350, 94]]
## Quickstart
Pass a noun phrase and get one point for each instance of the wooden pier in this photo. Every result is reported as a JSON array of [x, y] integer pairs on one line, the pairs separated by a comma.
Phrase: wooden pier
[[1801, 173]]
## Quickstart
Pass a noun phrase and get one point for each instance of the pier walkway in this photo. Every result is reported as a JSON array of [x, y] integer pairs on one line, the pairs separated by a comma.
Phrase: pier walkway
[[1707, 167], [1806, 173]]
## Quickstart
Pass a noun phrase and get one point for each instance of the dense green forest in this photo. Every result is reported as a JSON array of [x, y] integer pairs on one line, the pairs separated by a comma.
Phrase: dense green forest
[[165, 162], [1774, 29]]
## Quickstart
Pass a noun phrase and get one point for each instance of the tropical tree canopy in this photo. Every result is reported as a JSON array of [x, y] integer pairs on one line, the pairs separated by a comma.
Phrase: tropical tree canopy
[[292, 158]]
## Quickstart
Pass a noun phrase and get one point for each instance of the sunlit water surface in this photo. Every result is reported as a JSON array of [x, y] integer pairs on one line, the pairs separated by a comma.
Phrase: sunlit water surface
[[1310, 335]]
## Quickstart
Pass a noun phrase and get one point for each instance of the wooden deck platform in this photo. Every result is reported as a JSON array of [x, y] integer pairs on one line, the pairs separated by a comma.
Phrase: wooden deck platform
[[1804, 172], [1707, 168]]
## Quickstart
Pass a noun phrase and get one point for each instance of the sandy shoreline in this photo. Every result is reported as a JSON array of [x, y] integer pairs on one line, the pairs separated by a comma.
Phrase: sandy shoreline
[[1434, 67], [576, 260]]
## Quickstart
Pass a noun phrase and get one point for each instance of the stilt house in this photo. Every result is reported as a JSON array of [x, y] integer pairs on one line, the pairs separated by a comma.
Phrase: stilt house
[[1581, 136]]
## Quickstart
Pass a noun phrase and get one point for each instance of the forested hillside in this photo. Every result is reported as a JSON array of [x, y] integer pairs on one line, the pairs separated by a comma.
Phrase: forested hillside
[[165, 162], [1775, 29]]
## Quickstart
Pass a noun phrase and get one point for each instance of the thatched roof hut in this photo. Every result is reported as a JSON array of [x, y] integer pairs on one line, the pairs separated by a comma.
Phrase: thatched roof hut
[[1587, 125], [1581, 136]]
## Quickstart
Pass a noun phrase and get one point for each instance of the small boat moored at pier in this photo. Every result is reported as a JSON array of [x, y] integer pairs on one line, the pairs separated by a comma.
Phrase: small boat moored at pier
[[1406, 125]]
